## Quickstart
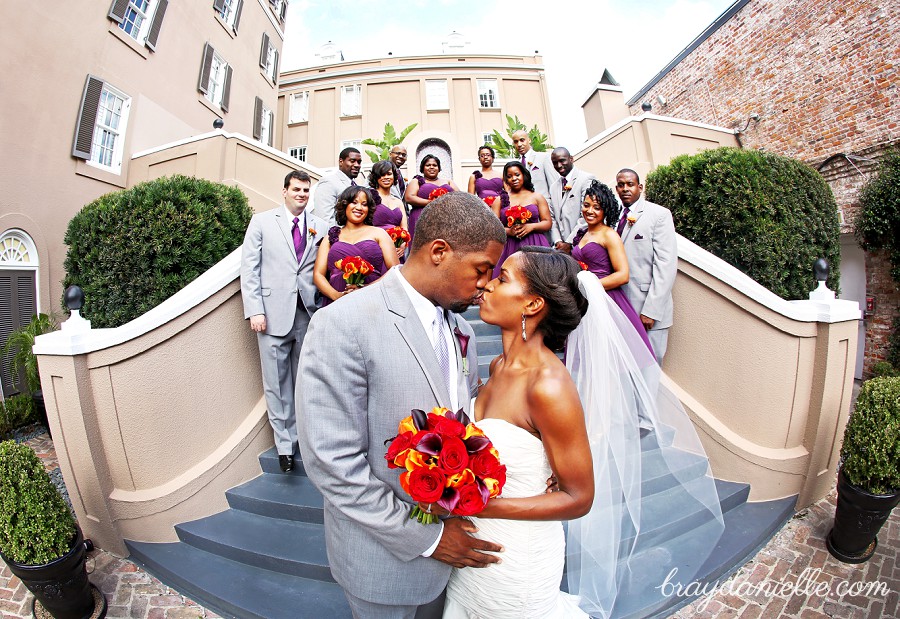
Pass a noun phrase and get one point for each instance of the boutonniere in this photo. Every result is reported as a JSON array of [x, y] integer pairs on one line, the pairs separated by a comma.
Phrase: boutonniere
[[567, 188], [312, 231], [463, 348], [631, 219], [529, 163]]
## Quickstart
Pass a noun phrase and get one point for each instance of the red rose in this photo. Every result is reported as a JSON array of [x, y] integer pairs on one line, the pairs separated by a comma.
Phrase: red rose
[[471, 501], [449, 427], [484, 463], [454, 457], [426, 484], [401, 443]]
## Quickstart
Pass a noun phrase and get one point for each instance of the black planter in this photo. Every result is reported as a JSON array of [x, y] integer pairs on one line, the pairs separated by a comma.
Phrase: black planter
[[60, 586], [857, 519]]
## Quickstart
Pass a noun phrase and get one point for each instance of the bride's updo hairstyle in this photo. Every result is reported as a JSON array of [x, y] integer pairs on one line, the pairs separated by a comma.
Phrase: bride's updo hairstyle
[[553, 276]]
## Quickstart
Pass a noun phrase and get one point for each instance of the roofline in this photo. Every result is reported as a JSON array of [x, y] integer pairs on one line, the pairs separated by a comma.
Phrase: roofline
[[708, 32]]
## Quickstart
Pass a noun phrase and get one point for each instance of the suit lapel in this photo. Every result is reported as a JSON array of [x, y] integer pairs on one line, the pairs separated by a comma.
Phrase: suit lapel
[[312, 223], [462, 380], [637, 211], [285, 225]]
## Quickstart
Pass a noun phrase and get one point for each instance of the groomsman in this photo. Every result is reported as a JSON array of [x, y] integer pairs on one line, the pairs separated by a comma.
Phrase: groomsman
[[648, 232], [398, 158], [277, 261], [566, 196], [332, 184], [538, 164]]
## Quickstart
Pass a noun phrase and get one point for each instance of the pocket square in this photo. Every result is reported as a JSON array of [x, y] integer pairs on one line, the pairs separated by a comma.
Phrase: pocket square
[[638, 237]]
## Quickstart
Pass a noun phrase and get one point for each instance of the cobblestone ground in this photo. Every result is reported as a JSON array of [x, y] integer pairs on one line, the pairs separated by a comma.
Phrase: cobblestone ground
[[792, 576]]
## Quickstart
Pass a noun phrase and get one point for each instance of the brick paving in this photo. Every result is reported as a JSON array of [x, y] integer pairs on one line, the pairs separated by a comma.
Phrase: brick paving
[[793, 576]]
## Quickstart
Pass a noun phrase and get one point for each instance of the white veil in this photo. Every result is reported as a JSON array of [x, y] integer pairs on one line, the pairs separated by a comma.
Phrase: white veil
[[617, 546]]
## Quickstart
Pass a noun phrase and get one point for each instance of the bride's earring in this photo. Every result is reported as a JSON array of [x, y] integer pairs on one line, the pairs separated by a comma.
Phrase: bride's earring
[[524, 337]]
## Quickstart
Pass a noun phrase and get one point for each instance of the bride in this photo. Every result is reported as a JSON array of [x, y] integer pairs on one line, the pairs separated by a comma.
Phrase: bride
[[531, 408]]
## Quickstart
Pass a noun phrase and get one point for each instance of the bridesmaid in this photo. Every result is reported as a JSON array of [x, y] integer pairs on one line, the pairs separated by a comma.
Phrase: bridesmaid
[[353, 236], [420, 187], [600, 247], [486, 183], [521, 193], [389, 211]]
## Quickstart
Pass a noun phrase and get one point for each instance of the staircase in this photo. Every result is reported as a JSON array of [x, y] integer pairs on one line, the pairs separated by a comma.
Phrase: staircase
[[264, 557]]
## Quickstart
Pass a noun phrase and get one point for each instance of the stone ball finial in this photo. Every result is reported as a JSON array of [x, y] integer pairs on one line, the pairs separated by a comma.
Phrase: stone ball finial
[[820, 268], [74, 297], [646, 106], [218, 123]]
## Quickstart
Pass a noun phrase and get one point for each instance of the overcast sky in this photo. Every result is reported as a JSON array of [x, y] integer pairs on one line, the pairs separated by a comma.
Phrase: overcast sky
[[634, 40]]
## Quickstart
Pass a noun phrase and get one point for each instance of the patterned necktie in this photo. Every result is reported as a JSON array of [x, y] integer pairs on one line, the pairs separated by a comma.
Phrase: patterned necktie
[[621, 227], [563, 182], [352, 183], [299, 239], [440, 345]]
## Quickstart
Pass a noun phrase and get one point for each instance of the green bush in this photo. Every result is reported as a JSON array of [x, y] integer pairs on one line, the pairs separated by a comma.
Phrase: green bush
[[770, 216], [15, 412], [884, 368], [131, 250], [870, 454], [36, 525], [878, 222]]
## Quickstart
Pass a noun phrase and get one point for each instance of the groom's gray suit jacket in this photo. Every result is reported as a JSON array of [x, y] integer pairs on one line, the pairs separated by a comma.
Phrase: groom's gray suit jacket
[[366, 363]]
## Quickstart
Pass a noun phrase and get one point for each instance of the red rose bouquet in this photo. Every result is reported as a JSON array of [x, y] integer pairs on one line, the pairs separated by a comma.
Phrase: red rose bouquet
[[399, 235], [489, 200], [448, 461], [437, 193], [584, 266], [355, 269], [517, 215]]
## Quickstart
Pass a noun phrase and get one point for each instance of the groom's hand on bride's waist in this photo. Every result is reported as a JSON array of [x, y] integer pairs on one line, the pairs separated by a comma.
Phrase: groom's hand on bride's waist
[[460, 549]]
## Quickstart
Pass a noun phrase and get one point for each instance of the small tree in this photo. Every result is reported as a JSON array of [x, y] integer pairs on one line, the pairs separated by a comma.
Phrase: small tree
[[505, 149], [768, 215], [878, 223], [389, 140]]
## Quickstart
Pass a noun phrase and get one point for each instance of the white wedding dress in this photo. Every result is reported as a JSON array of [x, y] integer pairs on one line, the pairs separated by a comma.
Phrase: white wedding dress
[[526, 583]]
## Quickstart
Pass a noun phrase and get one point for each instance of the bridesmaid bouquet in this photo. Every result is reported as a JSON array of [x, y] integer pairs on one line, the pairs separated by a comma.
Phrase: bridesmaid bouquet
[[355, 269], [448, 461], [517, 215], [437, 193], [489, 200], [399, 235]]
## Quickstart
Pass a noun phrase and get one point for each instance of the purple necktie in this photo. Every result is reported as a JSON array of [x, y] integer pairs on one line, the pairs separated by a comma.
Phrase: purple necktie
[[401, 183], [563, 183], [299, 239], [622, 221], [523, 159]]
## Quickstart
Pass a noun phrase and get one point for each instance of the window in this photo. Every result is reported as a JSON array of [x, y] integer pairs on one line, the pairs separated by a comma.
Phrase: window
[[18, 291], [263, 122], [298, 153], [350, 100], [436, 97], [268, 58], [487, 138], [299, 107], [353, 143], [487, 94], [140, 19], [215, 78], [279, 8], [100, 130], [229, 11]]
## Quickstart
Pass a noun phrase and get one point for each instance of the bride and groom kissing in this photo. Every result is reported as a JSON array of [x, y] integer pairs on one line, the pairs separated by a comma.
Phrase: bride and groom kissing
[[371, 358]]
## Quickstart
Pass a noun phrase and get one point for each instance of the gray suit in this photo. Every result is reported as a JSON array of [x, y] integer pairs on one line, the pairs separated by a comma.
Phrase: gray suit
[[366, 364], [274, 284], [542, 173], [328, 189], [652, 251], [565, 206]]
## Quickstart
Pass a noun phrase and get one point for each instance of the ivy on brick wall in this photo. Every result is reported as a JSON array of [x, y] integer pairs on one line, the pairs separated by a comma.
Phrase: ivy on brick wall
[[131, 250], [770, 216], [878, 222]]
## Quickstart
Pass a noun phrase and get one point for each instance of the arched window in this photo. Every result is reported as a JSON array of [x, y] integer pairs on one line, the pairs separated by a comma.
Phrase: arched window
[[438, 148], [18, 294]]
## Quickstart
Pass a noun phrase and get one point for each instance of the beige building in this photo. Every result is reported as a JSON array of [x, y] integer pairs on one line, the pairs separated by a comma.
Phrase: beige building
[[107, 80], [456, 101]]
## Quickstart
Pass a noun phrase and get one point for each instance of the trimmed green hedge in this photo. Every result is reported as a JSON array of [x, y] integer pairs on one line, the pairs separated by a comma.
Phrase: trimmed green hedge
[[131, 250], [870, 453], [878, 224], [770, 216], [15, 412]]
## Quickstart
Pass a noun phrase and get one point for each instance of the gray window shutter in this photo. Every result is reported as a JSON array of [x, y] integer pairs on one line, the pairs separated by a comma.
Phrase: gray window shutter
[[263, 50], [117, 10], [257, 118], [18, 303], [271, 126], [87, 118], [226, 91], [205, 68], [237, 15], [283, 11], [219, 6], [153, 35], [275, 69]]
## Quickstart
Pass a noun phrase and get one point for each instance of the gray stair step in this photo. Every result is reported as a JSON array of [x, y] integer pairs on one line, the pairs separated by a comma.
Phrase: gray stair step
[[234, 589], [268, 460], [489, 346], [289, 497], [483, 329], [287, 546]]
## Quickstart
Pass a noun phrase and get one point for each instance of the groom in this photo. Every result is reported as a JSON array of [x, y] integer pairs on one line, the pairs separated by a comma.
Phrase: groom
[[368, 360]]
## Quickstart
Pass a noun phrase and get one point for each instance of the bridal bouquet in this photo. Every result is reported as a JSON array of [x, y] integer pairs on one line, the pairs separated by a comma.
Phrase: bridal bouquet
[[399, 235], [437, 193], [448, 461], [517, 215], [355, 269]]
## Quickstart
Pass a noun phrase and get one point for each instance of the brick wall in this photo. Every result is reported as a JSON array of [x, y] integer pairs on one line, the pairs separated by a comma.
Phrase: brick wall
[[824, 78]]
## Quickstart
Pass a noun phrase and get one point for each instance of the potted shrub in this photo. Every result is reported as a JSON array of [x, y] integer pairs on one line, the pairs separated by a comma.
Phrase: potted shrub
[[39, 538], [22, 359], [869, 477]]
